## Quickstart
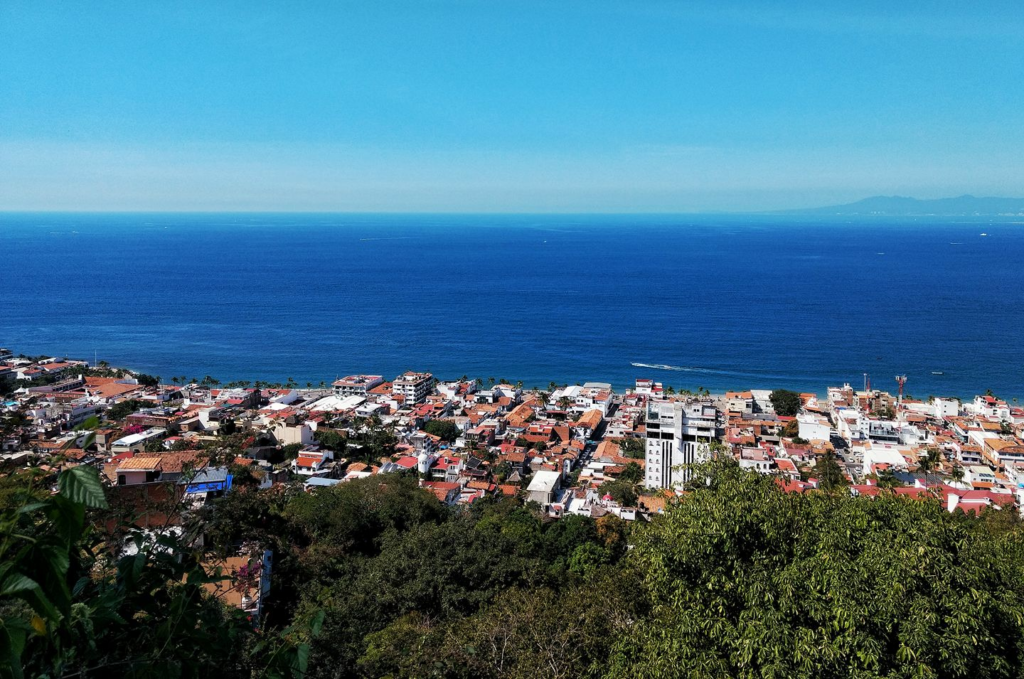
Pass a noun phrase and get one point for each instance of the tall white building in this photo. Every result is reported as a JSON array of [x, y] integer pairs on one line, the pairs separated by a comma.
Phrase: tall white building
[[414, 386], [679, 434]]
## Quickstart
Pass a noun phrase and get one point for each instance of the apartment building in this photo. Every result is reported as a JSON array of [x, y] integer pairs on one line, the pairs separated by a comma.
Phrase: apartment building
[[356, 385], [413, 386], [679, 434]]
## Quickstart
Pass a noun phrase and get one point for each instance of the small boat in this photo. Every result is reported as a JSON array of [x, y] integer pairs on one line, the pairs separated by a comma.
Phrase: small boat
[[938, 372]]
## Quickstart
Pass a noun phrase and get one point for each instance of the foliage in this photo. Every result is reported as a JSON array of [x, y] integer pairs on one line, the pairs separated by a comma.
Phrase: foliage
[[829, 474], [886, 413], [123, 409], [447, 430], [88, 423], [743, 579], [354, 516], [374, 578], [785, 402], [622, 491], [632, 447], [632, 473], [331, 439], [147, 380], [72, 603]]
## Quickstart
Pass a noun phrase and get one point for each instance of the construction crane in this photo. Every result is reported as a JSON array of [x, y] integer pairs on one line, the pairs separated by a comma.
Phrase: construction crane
[[901, 380]]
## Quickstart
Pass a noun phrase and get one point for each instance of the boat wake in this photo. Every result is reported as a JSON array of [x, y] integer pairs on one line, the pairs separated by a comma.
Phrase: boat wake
[[711, 371]]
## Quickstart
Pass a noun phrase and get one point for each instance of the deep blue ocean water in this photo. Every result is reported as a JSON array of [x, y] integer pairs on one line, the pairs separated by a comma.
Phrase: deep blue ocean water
[[730, 301]]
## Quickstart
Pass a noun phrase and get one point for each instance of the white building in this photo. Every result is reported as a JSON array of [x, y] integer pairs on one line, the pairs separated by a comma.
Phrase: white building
[[679, 434], [543, 486], [814, 427], [136, 442], [356, 385], [946, 407], [413, 386]]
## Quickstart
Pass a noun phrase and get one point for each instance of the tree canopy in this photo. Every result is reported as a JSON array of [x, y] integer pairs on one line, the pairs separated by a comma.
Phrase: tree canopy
[[447, 430], [785, 402], [374, 577]]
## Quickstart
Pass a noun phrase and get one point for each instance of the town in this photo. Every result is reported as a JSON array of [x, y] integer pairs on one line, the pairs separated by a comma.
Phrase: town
[[581, 449]]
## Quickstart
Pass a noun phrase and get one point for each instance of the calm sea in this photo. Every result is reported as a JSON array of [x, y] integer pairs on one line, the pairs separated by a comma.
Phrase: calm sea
[[714, 302]]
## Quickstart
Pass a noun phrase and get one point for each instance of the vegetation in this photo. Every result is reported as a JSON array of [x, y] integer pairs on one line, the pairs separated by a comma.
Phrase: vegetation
[[785, 402], [376, 578], [632, 447], [71, 607], [121, 410], [447, 430], [829, 474], [886, 413]]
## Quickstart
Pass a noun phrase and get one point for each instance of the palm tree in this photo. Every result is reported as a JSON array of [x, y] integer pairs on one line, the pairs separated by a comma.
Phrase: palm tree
[[174, 380], [929, 462]]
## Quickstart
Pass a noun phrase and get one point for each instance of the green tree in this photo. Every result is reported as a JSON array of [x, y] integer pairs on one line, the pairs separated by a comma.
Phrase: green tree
[[447, 430], [632, 447], [331, 439], [785, 402], [123, 409], [743, 579], [147, 380], [929, 461], [632, 473], [622, 491], [829, 474]]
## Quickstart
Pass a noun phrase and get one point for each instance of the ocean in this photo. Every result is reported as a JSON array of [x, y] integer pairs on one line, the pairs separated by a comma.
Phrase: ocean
[[715, 302]]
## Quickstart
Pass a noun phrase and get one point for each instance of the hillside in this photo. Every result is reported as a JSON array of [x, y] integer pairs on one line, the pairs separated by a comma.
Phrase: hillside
[[901, 206]]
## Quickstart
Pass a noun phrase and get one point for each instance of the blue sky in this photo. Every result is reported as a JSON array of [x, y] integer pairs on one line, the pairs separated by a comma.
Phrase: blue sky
[[506, 106]]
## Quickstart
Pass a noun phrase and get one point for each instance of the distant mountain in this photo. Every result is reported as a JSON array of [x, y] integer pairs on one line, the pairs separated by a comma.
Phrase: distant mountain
[[899, 206]]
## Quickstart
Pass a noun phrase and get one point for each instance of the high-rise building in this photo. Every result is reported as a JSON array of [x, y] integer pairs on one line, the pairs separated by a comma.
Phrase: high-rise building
[[679, 434]]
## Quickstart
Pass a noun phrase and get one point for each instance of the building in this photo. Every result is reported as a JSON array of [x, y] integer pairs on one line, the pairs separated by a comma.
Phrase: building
[[813, 427], [679, 434], [136, 442], [356, 385], [138, 469], [413, 386], [543, 486]]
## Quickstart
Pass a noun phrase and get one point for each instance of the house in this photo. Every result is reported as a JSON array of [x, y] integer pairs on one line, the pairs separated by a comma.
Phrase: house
[[813, 427], [245, 584], [446, 492], [138, 469], [311, 461], [543, 486], [588, 423], [211, 482]]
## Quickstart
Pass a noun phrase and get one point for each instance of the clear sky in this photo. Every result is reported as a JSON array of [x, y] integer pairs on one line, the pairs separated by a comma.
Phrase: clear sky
[[499, 106]]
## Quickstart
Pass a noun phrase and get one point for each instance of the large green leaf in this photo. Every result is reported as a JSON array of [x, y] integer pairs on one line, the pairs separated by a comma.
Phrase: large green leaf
[[82, 484]]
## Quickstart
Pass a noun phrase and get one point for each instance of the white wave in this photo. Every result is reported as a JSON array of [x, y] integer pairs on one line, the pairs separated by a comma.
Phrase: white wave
[[713, 371]]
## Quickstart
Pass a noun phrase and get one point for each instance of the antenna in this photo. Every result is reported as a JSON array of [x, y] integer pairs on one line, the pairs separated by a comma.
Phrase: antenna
[[901, 380]]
